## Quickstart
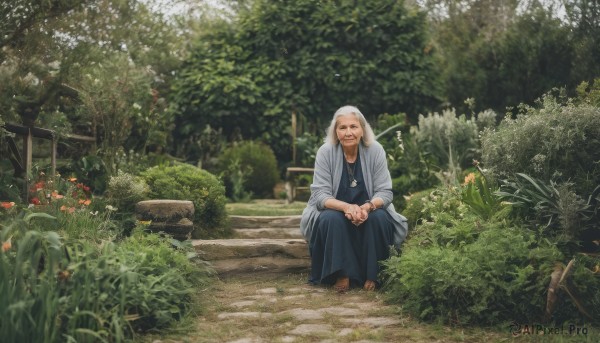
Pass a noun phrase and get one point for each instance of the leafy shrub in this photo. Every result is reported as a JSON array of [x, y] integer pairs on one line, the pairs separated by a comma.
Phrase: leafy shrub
[[122, 289], [411, 171], [55, 291], [89, 170], [257, 161], [554, 142], [461, 269], [485, 280], [186, 182], [415, 206], [449, 141], [555, 210], [307, 146], [237, 179], [479, 194], [126, 190]]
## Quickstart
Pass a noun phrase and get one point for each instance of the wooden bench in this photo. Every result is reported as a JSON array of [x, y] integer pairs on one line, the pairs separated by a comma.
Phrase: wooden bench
[[290, 181]]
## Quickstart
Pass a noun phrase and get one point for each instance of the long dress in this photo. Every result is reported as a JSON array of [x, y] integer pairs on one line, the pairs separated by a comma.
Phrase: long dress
[[338, 248]]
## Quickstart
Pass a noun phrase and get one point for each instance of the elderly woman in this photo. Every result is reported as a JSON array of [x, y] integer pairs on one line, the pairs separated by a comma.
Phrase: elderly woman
[[350, 221]]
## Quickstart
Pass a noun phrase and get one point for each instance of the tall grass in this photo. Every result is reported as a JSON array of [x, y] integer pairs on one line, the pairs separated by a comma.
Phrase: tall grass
[[29, 300], [82, 290]]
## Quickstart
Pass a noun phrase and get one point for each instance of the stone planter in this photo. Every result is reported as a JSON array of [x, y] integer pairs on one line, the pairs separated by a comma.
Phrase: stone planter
[[173, 217]]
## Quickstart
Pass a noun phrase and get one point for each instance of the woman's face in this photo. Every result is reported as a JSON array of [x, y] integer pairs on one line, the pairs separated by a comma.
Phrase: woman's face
[[348, 129]]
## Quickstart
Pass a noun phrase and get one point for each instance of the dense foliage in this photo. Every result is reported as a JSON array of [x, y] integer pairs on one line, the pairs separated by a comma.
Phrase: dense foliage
[[459, 268], [553, 142], [503, 53], [186, 182], [308, 57], [85, 290]]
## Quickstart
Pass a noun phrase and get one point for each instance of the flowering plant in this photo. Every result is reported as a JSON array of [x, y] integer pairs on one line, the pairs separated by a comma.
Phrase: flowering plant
[[67, 194]]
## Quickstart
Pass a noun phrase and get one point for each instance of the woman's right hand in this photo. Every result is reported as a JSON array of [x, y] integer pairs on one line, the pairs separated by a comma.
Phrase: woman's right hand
[[356, 214]]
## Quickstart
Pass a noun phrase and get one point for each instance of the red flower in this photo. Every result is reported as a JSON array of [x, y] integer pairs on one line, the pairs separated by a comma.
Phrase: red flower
[[39, 185], [34, 201], [86, 188]]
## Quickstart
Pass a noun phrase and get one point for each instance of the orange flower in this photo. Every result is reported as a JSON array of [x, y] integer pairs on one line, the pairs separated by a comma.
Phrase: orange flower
[[7, 204], [6, 246], [55, 195], [85, 202], [71, 209], [72, 179], [63, 208], [469, 179]]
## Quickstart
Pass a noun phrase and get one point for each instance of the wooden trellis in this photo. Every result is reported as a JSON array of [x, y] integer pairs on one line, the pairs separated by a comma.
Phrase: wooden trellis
[[22, 161]]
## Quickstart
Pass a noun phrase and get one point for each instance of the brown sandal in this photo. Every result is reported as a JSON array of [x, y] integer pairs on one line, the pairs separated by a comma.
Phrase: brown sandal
[[342, 284]]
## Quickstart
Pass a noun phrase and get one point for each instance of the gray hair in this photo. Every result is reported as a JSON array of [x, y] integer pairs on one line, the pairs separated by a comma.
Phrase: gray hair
[[368, 135]]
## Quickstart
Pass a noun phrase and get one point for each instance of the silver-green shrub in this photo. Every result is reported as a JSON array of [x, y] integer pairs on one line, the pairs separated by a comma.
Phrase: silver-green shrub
[[448, 139], [125, 190], [554, 142]]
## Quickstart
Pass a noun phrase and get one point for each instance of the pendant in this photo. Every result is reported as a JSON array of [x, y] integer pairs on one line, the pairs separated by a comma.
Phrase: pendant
[[353, 183]]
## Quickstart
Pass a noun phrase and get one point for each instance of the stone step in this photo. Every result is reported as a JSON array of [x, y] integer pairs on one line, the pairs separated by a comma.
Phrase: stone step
[[249, 222], [268, 232], [238, 256]]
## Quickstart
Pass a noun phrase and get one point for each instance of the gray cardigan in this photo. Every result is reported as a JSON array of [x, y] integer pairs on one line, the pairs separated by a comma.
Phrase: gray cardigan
[[328, 172]]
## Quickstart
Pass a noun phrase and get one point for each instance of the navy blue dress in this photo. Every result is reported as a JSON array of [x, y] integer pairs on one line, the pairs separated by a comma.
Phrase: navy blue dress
[[338, 248]]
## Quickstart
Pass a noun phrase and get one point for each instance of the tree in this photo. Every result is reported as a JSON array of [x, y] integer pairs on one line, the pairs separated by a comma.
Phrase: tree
[[308, 57], [584, 19], [48, 48]]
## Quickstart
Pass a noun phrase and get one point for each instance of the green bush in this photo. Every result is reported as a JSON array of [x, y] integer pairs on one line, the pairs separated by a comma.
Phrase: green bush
[[186, 182], [553, 143], [126, 190], [448, 140], [53, 290], [411, 171], [459, 268], [485, 281], [415, 205], [257, 162]]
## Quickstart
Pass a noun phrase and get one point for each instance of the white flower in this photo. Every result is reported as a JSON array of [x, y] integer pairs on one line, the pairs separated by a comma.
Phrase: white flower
[[111, 208]]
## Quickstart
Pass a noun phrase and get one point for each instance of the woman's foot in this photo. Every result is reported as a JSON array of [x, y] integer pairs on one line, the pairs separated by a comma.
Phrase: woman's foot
[[342, 284], [369, 285]]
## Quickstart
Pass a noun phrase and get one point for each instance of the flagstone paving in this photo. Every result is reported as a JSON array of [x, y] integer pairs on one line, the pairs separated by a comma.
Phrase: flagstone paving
[[262, 295]]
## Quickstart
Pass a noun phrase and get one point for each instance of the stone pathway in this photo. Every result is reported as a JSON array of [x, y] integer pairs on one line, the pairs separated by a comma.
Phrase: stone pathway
[[263, 295], [267, 308]]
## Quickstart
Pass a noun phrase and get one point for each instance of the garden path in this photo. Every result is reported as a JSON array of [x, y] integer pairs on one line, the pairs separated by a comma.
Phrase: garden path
[[262, 295]]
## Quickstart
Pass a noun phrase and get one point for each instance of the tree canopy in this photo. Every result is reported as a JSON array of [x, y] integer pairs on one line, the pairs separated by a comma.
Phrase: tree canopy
[[310, 57]]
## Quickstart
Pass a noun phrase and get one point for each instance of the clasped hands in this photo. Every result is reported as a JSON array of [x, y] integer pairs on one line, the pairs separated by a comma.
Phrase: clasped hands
[[356, 214]]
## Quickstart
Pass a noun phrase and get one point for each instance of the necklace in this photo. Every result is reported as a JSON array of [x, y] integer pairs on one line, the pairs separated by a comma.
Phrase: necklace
[[353, 181]]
